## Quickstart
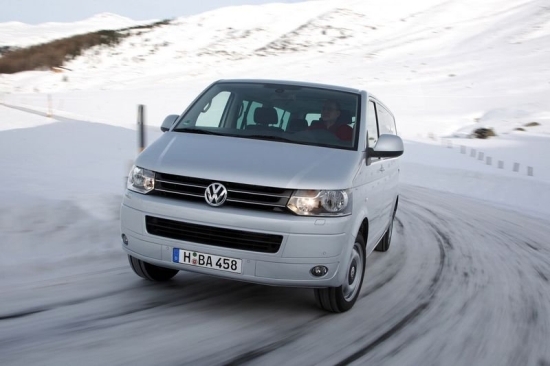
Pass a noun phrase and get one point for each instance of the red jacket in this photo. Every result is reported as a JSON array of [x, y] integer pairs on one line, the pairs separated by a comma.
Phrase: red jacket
[[343, 132]]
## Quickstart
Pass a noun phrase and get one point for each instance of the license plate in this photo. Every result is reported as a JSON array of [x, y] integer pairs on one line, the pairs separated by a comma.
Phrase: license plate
[[207, 260]]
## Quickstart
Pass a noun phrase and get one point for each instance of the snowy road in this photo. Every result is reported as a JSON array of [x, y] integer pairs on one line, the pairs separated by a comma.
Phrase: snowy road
[[464, 283]]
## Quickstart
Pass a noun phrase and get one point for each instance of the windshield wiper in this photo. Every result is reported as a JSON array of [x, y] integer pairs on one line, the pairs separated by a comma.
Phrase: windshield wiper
[[270, 138], [198, 131]]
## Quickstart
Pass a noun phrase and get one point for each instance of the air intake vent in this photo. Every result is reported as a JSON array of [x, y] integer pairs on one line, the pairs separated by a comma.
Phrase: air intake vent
[[220, 237]]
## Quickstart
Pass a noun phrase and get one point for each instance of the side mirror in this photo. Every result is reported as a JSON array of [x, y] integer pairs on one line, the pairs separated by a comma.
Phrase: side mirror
[[388, 146], [169, 122]]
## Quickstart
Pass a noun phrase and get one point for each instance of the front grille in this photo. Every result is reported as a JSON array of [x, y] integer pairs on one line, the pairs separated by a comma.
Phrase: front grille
[[241, 195], [202, 234]]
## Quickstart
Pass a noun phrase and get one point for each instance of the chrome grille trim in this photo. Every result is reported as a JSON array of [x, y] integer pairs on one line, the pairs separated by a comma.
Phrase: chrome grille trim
[[257, 193], [179, 184], [181, 193], [256, 203], [238, 194]]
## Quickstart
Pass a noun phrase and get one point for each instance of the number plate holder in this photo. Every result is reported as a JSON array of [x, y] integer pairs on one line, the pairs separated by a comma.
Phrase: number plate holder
[[204, 260]]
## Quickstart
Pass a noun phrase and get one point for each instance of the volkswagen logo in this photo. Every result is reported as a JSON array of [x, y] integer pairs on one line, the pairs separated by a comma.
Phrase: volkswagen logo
[[215, 194]]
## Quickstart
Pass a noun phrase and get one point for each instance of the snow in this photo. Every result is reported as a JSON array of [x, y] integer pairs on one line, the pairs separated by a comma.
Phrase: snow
[[17, 34], [445, 68], [442, 78]]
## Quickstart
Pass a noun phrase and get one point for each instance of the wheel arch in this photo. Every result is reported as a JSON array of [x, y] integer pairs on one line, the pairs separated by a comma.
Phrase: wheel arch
[[364, 230]]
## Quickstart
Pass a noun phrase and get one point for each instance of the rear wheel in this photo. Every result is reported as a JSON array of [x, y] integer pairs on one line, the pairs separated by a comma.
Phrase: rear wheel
[[150, 271], [340, 299]]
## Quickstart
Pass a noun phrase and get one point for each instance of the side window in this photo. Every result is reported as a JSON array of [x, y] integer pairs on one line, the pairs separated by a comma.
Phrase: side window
[[310, 117], [212, 113], [386, 123], [372, 125], [282, 117], [249, 118], [243, 109]]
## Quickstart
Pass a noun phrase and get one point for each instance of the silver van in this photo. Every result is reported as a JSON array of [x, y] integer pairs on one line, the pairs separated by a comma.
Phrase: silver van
[[266, 181]]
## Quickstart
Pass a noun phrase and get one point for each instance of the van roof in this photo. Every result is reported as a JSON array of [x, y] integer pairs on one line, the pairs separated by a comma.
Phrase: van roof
[[293, 82]]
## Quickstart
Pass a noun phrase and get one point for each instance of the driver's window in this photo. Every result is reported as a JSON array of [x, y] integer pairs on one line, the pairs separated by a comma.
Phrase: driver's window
[[212, 113]]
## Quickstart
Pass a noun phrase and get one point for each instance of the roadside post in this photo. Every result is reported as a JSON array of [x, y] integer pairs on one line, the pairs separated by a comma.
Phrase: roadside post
[[140, 137], [141, 127]]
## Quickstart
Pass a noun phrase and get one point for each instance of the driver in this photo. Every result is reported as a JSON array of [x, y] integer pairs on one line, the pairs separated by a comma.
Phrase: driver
[[330, 113]]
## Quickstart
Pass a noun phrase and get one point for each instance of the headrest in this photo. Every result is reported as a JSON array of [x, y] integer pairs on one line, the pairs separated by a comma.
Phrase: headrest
[[296, 124], [345, 117], [265, 116], [316, 124]]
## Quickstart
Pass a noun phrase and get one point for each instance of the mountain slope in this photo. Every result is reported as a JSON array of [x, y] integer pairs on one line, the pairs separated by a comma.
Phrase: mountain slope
[[459, 60], [16, 34]]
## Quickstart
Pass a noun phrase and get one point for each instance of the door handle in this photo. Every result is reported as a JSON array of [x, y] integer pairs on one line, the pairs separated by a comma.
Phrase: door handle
[[381, 169]]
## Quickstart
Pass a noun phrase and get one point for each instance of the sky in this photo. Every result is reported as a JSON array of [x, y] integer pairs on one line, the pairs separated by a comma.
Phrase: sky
[[41, 11]]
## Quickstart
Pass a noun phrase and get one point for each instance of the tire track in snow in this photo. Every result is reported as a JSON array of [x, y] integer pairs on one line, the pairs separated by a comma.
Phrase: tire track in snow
[[409, 318], [460, 285], [303, 329]]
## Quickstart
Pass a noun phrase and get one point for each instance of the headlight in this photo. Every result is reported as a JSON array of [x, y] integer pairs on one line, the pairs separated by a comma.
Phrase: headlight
[[141, 180], [320, 203]]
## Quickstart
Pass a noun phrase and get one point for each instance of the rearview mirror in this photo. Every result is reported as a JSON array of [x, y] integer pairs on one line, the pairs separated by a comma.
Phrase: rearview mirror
[[169, 122], [388, 146]]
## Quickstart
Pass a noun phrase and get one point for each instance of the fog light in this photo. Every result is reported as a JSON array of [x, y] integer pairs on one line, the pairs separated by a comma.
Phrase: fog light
[[319, 271], [124, 239]]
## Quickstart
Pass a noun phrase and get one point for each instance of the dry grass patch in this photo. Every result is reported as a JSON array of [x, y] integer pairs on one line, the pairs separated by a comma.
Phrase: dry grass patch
[[56, 53]]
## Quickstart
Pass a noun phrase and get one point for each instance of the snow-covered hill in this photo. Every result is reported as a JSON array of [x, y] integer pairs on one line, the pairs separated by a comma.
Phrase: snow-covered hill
[[457, 266], [17, 34], [440, 65]]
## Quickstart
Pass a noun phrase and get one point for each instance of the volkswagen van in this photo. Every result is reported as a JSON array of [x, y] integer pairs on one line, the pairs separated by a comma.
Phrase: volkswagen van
[[272, 182]]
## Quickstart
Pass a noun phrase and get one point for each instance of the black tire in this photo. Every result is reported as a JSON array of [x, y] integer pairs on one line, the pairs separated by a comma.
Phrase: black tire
[[150, 271], [385, 242], [341, 299]]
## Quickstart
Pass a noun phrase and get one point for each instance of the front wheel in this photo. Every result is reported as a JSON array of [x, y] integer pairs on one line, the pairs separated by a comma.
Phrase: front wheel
[[341, 299], [150, 271]]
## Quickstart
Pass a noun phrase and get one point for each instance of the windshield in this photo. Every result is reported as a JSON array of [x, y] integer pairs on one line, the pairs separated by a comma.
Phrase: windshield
[[276, 112]]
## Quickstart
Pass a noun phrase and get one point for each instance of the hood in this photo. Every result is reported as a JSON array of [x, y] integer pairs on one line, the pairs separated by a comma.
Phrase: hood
[[248, 161]]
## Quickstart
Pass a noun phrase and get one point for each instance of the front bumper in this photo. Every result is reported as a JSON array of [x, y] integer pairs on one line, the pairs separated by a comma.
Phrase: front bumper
[[307, 241]]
